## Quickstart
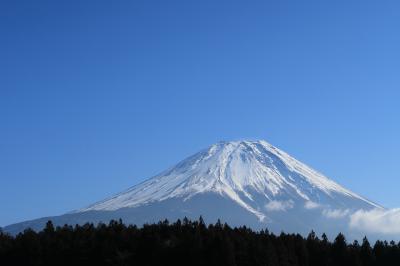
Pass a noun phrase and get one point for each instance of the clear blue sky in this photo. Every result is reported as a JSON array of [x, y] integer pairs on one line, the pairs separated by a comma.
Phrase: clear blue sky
[[96, 96]]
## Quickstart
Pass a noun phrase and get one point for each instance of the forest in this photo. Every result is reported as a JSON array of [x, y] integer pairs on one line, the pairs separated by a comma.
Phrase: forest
[[186, 242]]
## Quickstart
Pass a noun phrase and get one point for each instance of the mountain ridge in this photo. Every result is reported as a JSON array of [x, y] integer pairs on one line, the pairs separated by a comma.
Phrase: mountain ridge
[[227, 168], [241, 182]]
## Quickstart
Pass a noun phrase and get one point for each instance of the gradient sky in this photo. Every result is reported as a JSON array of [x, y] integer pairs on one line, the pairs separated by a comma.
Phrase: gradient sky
[[96, 96]]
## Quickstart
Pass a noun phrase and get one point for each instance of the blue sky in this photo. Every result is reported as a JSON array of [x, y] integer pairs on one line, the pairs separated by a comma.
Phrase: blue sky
[[96, 96]]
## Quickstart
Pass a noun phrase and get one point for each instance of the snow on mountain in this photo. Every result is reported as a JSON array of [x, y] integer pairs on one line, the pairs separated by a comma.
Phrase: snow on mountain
[[242, 182], [238, 170]]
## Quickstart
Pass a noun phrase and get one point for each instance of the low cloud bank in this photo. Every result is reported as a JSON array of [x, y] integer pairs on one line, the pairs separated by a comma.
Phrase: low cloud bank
[[309, 205], [376, 221], [276, 205], [336, 213]]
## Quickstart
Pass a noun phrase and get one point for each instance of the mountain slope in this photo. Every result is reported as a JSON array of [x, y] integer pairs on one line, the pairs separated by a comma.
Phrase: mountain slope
[[242, 182], [241, 171]]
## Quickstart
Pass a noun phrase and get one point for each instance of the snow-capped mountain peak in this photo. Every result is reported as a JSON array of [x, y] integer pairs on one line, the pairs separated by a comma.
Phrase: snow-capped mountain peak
[[251, 173], [241, 182]]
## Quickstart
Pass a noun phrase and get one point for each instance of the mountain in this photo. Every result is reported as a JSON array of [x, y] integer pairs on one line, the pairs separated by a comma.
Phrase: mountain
[[240, 182]]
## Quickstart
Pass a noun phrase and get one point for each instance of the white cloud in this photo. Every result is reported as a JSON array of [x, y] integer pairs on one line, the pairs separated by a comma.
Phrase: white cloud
[[276, 205], [336, 213], [376, 221], [309, 205]]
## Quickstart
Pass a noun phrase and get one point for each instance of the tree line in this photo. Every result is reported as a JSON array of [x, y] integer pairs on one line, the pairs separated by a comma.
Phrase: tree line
[[186, 242]]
